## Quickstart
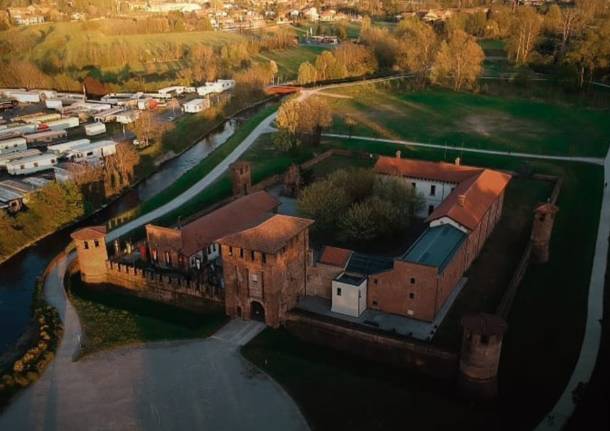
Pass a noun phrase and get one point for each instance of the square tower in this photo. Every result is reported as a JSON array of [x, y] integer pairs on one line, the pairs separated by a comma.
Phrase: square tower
[[92, 253]]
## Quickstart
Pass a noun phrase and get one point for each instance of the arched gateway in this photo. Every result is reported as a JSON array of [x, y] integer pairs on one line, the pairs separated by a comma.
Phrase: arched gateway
[[257, 311]]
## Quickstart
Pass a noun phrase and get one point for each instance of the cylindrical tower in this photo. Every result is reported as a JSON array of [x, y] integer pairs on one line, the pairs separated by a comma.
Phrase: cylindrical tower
[[241, 177], [480, 355], [542, 228]]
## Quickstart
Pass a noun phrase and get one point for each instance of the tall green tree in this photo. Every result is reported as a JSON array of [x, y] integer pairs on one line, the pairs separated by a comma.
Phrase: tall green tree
[[458, 62]]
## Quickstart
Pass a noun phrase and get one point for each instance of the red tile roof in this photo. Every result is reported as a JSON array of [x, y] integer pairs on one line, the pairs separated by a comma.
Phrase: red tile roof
[[438, 171], [335, 256], [238, 215], [478, 187], [269, 236], [478, 193], [90, 232]]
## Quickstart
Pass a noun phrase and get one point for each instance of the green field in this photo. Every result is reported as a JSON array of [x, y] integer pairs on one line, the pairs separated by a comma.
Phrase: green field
[[289, 60], [111, 320], [472, 120], [78, 46]]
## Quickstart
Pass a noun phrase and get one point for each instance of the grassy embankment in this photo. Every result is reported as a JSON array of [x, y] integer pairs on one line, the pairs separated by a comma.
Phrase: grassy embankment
[[110, 319], [538, 355], [472, 120], [289, 60]]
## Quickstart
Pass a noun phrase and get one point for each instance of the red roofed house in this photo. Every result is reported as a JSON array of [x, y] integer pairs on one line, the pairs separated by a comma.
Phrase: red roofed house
[[195, 243], [464, 205], [265, 268]]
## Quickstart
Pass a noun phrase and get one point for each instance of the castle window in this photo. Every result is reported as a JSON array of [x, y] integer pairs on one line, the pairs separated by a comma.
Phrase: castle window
[[484, 339], [411, 295], [375, 303], [230, 251], [168, 258], [264, 257], [413, 186], [338, 291], [252, 255], [430, 209], [432, 190], [96, 243], [86, 245], [412, 280], [241, 252], [374, 281]]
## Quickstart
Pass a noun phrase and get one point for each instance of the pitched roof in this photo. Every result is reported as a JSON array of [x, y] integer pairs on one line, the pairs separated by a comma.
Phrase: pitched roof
[[269, 236], [335, 256], [439, 171], [88, 233], [478, 187], [243, 213], [470, 200]]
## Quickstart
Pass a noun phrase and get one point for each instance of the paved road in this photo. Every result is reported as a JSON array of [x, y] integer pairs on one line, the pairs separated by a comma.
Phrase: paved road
[[592, 160], [564, 408], [202, 385]]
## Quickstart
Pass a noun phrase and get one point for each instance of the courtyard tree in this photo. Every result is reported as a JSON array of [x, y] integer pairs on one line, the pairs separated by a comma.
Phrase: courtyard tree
[[458, 62], [323, 202]]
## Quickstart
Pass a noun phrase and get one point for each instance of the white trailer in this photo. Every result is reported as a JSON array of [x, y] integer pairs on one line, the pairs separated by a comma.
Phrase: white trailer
[[65, 147], [13, 145], [93, 151], [29, 165], [176, 89], [47, 136], [61, 124], [127, 117], [109, 114], [218, 86], [5, 158], [96, 128], [196, 105], [24, 96], [56, 104], [39, 118]]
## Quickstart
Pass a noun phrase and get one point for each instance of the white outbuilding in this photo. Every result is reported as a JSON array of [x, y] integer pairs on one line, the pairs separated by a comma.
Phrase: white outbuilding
[[349, 294], [96, 128]]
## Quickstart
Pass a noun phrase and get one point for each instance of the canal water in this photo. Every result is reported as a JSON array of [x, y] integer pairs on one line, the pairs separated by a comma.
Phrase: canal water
[[18, 274]]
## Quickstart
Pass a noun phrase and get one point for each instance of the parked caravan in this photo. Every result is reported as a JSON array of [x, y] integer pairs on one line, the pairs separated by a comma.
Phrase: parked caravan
[[108, 115], [47, 136], [29, 165], [5, 158], [196, 105], [216, 87], [176, 89], [24, 96], [38, 118], [61, 124], [13, 145], [63, 148], [95, 150], [96, 128], [13, 130], [127, 117], [56, 104]]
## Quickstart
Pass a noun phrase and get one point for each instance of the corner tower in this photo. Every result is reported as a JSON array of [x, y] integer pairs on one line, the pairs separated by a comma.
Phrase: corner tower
[[92, 253], [480, 355], [542, 228], [241, 176]]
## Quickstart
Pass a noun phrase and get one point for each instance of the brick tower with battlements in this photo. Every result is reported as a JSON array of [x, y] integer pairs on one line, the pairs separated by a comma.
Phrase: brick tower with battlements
[[241, 176], [480, 355], [92, 253], [542, 228]]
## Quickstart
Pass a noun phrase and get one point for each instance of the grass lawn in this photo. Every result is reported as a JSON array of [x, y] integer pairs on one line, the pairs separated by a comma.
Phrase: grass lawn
[[472, 120], [110, 319], [289, 60], [545, 326], [340, 392]]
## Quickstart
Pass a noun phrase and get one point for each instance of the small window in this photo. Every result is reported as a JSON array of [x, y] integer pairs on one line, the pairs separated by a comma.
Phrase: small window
[[241, 252], [254, 277], [432, 190], [86, 245], [375, 303], [430, 209], [413, 186], [264, 257], [411, 295], [412, 280], [484, 339], [374, 281], [96, 243], [230, 251], [338, 291], [35, 164], [252, 255]]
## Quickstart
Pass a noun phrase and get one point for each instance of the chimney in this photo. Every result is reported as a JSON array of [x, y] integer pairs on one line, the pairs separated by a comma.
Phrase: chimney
[[398, 154], [461, 200], [458, 161]]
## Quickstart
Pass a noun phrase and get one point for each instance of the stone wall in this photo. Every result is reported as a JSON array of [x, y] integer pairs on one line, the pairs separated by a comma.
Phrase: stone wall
[[371, 344]]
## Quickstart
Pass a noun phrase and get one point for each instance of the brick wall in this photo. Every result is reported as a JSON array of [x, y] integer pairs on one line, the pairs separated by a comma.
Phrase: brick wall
[[372, 345]]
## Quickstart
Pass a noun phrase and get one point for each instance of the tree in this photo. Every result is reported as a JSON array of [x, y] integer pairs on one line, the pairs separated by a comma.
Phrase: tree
[[307, 117], [458, 62], [358, 60], [417, 47], [148, 128], [327, 67], [591, 52], [307, 73], [524, 33], [323, 201], [173, 104]]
